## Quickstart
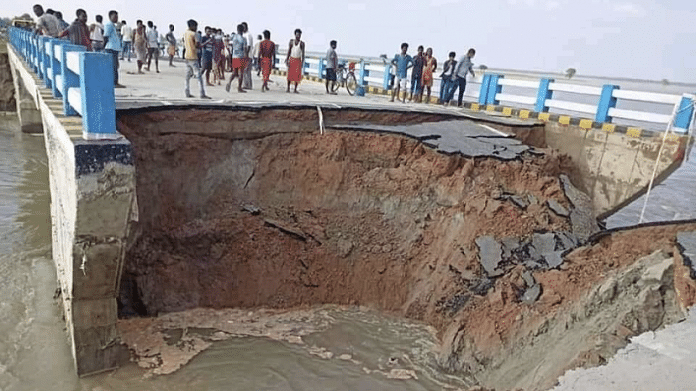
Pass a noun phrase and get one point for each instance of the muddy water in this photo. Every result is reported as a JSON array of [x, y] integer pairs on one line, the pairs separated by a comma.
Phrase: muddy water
[[34, 350], [366, 347]]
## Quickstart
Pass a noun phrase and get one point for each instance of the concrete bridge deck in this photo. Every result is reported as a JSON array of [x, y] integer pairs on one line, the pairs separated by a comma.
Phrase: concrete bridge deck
[[167, 89]]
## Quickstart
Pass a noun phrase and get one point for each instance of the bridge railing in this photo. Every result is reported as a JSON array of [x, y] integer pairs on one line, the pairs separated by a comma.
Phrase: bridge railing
[[600, 103], [82, 80]]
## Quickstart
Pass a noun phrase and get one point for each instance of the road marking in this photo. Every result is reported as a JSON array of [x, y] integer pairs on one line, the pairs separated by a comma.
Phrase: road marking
[[496, 131]]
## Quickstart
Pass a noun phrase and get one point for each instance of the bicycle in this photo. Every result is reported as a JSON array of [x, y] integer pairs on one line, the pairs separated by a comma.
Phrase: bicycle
[[345, 77]]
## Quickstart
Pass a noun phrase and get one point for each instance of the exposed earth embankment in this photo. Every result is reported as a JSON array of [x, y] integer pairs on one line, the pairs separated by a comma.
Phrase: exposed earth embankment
[[258, 209]]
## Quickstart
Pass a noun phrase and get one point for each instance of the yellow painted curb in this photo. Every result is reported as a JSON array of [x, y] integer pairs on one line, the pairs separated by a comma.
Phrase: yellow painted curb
[[564, 119], [672, 137], [524, 114], [507, 111], [609, 128], [490, 108], [633, 132], [544, 116], [475, 106], [586, 123]]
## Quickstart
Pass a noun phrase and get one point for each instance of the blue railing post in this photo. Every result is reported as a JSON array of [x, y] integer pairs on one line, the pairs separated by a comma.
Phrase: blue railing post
[[360, 89], [494, 88], [321, 68], [43, 59], [543, 94], [98, 101], [387, 75], [30, 60], [483, 93], [363, 73], [683, 118], [606, 102], [55, 67], [70, 78]]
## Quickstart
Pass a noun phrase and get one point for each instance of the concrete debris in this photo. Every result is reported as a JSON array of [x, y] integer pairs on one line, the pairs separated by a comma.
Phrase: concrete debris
[[531, 294], [567, 241], [557, 208], [490, 254], [519, 201], [553, 259], [687, 245], [544, 243], [528, 278], [582, 218], [541, 251], [510, 244]]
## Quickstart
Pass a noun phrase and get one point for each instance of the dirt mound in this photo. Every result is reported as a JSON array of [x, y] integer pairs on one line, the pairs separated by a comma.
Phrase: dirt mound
[[232, 215]]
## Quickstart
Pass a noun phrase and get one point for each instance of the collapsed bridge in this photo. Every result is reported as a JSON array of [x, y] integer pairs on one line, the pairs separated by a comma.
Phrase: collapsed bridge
[[432, 214]]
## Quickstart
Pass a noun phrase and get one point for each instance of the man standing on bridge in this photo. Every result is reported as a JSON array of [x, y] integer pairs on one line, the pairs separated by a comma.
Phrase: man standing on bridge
[[464, 66], [46, 23], [193, 69], [112, 43], [295, 60], [267, 58], [239, 58], [78, 32], [171, 50], [402, 62], [331, 66]]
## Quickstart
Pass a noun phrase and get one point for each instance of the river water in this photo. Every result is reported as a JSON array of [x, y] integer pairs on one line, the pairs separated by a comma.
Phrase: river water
[[35, 354]]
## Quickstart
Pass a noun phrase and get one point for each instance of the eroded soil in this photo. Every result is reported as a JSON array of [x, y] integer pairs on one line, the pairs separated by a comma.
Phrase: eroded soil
[[275, 216]]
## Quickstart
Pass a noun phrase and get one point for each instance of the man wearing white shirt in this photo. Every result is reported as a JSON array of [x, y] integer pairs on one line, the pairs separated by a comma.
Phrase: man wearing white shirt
[[97, 36], [46, 24], [250, 45], [153, 45], [127, 34]]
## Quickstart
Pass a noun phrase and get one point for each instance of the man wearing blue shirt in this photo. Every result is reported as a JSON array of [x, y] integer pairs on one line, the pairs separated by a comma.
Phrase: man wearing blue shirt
[[464, 67], [112, 43], [402, 62]]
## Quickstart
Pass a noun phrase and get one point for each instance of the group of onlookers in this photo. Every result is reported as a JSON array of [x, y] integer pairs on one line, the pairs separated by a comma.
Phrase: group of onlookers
[[423, 67], [215, 52]]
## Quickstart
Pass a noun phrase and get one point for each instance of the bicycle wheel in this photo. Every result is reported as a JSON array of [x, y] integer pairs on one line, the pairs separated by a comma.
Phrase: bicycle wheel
[[351, 84], [337, 84]]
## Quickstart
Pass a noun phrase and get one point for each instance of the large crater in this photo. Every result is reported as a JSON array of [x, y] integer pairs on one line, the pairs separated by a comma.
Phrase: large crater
[[249, 208]]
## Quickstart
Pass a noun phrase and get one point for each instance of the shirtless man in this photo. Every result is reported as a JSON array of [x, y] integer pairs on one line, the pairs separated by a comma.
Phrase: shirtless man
[[295, 60]]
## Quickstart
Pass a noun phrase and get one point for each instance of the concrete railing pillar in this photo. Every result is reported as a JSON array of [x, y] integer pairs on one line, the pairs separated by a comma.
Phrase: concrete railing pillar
[[70, 78], [684, 114], [43, 58], [363, 73], [483, 93], [56, 45], [606, 102], [322, 67], [97, 94], [543, 94], [387, 76], [494, 88]]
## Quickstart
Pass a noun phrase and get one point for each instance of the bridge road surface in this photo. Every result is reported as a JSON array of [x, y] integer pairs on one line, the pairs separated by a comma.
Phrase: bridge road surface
[[167, 87], [469, 138]]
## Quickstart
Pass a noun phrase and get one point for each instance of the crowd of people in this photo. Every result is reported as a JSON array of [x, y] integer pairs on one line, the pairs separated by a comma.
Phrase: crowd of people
[[423, 68], [213, 51]]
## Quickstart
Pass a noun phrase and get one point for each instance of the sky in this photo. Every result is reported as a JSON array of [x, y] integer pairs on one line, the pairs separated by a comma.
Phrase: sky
[[641, 39]]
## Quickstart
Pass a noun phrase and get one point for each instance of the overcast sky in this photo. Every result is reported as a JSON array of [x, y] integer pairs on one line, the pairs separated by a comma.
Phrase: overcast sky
[[642, 39]]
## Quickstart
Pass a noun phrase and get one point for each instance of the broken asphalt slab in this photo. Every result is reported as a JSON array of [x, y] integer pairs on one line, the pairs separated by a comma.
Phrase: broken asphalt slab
[[464, 137]]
